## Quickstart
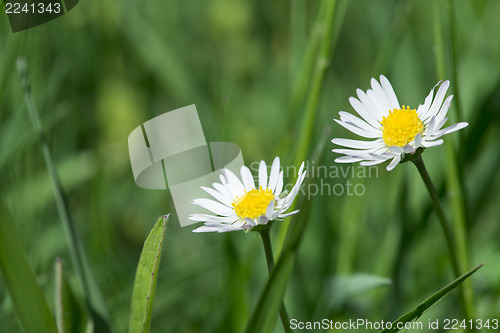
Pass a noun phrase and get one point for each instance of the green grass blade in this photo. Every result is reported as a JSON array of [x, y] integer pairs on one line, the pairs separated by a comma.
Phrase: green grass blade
[[454, 174], [327, 29], [322, 61], [20, 281], [70, 315], [145, 279], [92, 294], [429, 302]]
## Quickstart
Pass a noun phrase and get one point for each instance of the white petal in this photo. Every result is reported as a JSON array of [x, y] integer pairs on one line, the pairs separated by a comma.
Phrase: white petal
[[273, 176], [373, 162], [352, 152], [288, 214], [443, 111], [206, 229], [225, 183], [221, 219], [438, 100], [234, 182], [279, 185], [431, 126], [437, 126], [370, 107], [408, 149], [295, 190], [356, 143], [263, 219], [417, 142], [428, 144], [358, 131], [396, 149], [374, 99], [363, 112], [213, 206], [217, 195], [200, 217], [270, 209], [347, 159], [350, 118], [450, 129], [263, 174], [389, 91], [423, 109], [394, 162], [222, 189], [247, 178], [384, 156], [380, 94], [250, 222]]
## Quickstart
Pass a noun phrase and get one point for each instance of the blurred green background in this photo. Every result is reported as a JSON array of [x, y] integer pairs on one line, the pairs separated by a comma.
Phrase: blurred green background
[[107, 66]]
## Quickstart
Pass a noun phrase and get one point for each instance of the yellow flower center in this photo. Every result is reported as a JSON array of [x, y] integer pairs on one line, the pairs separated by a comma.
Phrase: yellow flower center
[[401, 126], [253, 203]]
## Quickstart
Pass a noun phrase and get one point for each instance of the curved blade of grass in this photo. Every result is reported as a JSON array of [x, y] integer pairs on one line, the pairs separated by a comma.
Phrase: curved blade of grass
[[145, 279], [70, 315], [92, 294], [429, 302], [20, 281]]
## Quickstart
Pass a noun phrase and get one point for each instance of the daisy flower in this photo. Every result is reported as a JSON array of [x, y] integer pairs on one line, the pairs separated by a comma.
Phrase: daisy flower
[[240, 205], [396, 130]]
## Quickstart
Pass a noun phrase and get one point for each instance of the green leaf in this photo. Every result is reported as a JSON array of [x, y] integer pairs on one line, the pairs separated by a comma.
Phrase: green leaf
[[145, 279], [345, 286], [429, 302], [70, 315], [20, 281]]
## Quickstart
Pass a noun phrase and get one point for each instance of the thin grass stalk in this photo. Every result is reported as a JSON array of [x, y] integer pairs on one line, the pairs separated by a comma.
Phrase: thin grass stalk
[[325, 22], [455, 184], [94, 303]]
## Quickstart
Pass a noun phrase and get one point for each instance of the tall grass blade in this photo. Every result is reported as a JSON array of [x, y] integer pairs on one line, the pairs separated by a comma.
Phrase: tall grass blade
[[324, 31], [30, 305], [454, 175], [93, 297]]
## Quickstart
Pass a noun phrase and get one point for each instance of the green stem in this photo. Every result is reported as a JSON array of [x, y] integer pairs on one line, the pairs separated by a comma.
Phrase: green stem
[[419, 163], [266, 241], [464, 292]]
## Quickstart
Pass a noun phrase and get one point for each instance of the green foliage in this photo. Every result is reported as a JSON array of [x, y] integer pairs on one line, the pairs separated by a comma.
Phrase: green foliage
[[70, 314], [146, 279], [107, 66], [30, 305]]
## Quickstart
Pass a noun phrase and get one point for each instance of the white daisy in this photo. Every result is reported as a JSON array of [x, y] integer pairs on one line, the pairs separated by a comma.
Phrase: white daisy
[[397, 131], [240, 205]]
